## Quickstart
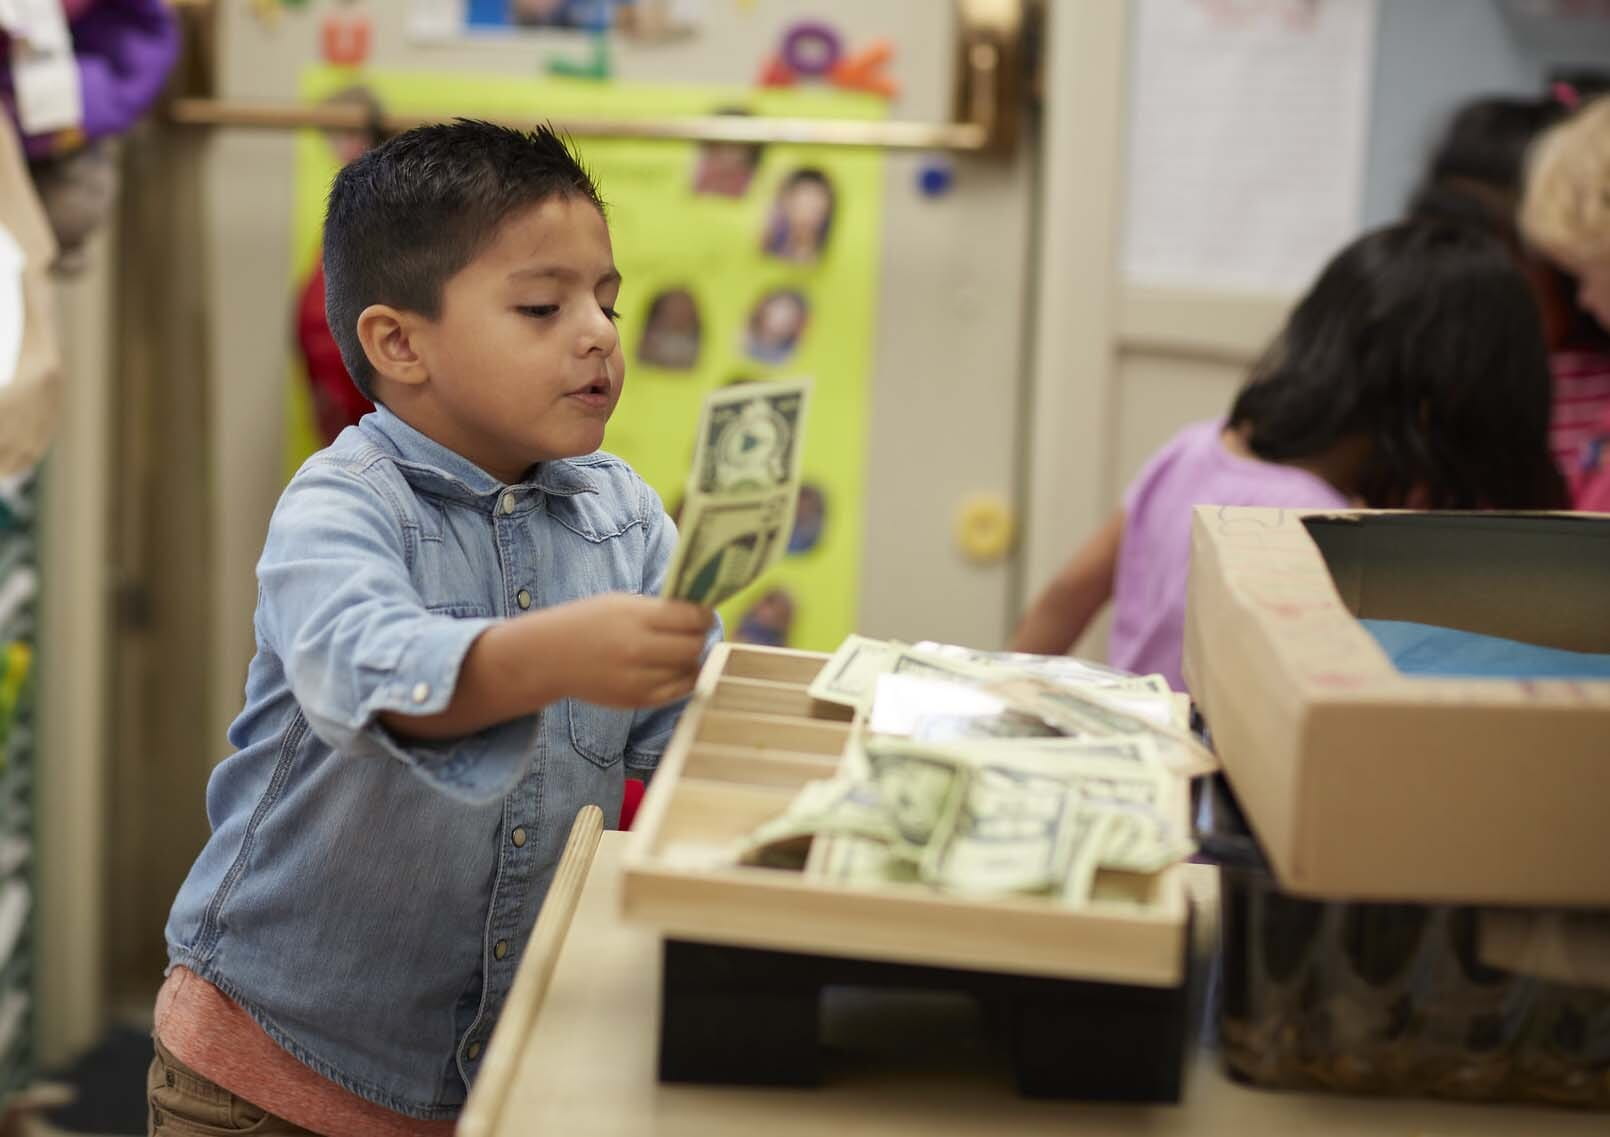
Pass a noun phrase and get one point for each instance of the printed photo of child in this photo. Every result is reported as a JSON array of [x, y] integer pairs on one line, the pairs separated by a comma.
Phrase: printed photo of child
[[769, 621], [775, 325], [726, 168], [801, 217], [671, 332]]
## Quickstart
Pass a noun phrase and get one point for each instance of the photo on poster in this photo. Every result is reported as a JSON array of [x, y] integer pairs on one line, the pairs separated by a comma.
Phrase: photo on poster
[[768, 621], [671, 331], [801, 216], [725, 169], [444, 19], [810, 513], [775, 325]]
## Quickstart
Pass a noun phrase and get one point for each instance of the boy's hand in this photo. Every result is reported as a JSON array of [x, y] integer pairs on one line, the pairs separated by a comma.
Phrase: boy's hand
[[631, 651]]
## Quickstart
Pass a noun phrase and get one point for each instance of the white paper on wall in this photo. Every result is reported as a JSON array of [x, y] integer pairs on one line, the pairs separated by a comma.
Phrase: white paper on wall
[[1246, 146]]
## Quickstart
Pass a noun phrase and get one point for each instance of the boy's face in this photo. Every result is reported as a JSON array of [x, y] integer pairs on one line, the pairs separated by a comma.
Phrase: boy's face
[[525, 363]]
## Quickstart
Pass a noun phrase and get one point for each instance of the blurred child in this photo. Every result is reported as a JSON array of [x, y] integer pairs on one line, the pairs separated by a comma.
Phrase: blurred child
[[1412, 374], [1566, 213], [459, 645], [1475, 175]]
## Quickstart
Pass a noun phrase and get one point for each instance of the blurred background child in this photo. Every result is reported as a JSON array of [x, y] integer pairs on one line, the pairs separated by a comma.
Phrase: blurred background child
[[1566, 213], [1412, 374]]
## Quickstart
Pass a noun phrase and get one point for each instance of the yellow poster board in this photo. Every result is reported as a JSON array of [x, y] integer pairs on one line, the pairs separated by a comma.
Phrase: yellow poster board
[[737, 264]]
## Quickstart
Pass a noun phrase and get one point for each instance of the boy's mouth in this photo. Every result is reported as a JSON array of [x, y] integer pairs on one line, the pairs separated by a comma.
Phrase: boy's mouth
[[594, 394]]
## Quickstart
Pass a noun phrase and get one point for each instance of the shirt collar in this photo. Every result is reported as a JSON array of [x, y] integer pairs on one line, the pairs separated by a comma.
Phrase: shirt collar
[[429, 465]]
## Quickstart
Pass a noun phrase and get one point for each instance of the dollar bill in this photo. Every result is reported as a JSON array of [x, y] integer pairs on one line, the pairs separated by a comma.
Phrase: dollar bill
[[858, 862], [726, 543], [953, 819], [1095, 713], [850, 676], [835, 805], [1006, 830], [917, 789], [1089, 840], [742, 491], [1062, 668], [750, 438], [1141, 841], [1147, 832], [1140, 750]]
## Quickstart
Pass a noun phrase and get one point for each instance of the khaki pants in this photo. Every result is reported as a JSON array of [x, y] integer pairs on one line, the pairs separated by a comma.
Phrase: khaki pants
[[184, 1104]]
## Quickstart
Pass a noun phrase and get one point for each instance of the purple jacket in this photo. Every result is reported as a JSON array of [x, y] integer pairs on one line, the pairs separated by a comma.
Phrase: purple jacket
[[125, 50]]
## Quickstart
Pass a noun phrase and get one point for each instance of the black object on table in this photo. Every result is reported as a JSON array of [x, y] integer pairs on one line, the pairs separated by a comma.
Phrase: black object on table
[[748, 1016]]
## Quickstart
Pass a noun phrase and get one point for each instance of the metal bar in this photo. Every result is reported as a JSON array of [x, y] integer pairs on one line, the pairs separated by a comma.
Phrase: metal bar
[[267, 115]]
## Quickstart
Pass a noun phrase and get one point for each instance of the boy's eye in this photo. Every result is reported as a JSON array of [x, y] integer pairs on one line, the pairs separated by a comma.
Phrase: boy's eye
[[540, 311], [611, 313]]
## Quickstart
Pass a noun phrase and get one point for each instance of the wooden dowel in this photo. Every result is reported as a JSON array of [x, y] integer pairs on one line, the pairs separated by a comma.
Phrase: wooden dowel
[[266, 115], [519, 1017]]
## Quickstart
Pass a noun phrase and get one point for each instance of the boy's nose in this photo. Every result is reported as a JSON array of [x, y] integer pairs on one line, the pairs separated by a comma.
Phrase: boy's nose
[[601, 336]]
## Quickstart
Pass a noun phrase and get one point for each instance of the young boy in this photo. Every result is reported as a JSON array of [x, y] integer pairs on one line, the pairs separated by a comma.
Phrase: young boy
[[458, 646]]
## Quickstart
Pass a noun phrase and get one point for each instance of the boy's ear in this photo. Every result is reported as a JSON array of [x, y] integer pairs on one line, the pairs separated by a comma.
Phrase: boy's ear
[[388, 338]]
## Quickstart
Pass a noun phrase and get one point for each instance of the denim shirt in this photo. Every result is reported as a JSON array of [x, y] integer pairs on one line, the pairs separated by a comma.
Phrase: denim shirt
[[364, 897]]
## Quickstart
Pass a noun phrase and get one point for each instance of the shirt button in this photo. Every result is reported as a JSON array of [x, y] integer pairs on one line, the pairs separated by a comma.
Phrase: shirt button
[[508, 501], [500, 949], [421, 692], [523, 598], [473, 1052], [518, 837]]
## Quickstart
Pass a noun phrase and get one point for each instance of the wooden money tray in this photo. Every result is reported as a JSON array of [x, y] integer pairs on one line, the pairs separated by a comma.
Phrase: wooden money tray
[[749, 739]]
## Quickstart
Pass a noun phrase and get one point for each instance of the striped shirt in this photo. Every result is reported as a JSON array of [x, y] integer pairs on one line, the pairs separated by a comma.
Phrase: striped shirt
[[1581, 410]]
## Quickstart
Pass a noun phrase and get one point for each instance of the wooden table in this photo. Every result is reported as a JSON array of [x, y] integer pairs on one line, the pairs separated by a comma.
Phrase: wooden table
[[588, 1067]]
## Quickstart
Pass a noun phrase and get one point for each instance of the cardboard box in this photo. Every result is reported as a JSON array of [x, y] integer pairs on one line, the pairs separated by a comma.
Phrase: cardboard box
[[1362, 783]]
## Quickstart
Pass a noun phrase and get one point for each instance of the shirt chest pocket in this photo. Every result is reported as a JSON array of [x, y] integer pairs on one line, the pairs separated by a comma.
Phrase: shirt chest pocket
[[599, 734]]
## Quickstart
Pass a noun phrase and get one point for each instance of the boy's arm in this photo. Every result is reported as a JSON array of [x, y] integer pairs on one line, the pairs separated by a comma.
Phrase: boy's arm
[[1065, 608], [652, 728], [614, 650], [373, 670]]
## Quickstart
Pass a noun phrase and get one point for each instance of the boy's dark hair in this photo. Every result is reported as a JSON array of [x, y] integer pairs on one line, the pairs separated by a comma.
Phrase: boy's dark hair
[[406, 216], [1424, 339]]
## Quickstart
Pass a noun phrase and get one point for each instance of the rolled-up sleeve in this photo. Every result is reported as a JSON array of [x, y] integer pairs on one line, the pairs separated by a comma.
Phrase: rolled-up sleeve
[[340, 609], [652, 727]]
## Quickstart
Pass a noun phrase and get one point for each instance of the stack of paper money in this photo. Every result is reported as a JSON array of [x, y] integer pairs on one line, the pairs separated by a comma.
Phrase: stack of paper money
[[988, 774], [742, 490]]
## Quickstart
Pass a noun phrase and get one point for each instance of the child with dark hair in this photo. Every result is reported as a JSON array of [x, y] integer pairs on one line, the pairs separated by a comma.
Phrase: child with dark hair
[[1411, 375], [1475, 175], [459, 645]]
